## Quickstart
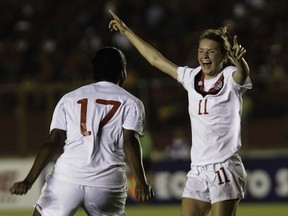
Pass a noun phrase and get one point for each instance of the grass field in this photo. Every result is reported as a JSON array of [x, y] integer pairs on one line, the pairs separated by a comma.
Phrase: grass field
[[262, 209]]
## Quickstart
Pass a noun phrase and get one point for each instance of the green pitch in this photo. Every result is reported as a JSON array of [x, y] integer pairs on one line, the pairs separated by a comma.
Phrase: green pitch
[[262, 209]]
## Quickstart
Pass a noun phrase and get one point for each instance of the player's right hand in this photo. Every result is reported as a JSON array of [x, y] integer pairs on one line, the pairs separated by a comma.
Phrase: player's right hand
[[116, 24], [20, 188]]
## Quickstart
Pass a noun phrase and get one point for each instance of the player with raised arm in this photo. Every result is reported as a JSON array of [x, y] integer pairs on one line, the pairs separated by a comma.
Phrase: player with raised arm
[[94, 128], [217, 177]]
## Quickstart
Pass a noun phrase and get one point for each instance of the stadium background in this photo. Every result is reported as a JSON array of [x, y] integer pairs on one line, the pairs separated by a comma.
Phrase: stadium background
[[45, 51]]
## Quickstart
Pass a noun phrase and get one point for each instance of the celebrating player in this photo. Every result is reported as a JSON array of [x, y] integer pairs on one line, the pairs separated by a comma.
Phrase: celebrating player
[[217, 177], [94, 128]]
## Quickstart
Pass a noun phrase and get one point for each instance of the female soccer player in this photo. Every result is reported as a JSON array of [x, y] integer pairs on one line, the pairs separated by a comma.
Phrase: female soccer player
[[95, 129], [217, 177]]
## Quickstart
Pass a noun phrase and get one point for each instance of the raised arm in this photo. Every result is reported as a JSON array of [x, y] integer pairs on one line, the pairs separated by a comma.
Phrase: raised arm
[[154, 57], [48, 151], [237, 54]]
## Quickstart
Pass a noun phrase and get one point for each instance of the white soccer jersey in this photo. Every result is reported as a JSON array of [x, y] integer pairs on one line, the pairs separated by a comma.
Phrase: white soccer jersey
[[94, 117], [215, 115]]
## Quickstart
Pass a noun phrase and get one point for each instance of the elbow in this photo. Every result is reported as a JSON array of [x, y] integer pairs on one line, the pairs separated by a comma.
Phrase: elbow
[[154, 60]]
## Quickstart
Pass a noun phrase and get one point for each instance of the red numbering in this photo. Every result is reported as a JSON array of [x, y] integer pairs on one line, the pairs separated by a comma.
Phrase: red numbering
[[83, 113]]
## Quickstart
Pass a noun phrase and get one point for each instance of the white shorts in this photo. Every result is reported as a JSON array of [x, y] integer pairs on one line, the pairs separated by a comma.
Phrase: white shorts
[[216, 182], [63, 199]]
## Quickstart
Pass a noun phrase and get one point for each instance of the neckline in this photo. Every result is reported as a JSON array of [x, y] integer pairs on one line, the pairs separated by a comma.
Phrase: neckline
[[217, 85]]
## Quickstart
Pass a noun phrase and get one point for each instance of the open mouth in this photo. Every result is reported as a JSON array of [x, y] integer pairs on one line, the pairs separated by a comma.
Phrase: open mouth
[[206, 64], [206, 61]]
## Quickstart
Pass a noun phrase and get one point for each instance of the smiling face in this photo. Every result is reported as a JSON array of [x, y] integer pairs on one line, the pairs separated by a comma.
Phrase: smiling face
[[210, 58]]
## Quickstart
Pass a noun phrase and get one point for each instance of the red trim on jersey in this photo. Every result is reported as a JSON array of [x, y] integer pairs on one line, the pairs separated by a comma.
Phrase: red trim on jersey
[[199, 84]]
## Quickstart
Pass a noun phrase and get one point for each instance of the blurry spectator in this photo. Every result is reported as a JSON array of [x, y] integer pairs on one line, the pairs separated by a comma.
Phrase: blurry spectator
[[179, 149]]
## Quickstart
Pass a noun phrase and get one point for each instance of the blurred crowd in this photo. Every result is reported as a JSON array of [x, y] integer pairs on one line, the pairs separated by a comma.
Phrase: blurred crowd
[[52, 41], [47, 41]]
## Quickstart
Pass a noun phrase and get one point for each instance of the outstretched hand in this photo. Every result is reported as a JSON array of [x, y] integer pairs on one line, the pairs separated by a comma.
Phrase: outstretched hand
[[20, 188], [116, 24], [237, 51]]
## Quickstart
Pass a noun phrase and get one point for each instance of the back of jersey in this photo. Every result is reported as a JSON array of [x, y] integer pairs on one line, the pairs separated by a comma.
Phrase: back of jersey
[[94, 117]]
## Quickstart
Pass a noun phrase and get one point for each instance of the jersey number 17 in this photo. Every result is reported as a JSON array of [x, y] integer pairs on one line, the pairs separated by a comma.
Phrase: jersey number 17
[[83, 113]]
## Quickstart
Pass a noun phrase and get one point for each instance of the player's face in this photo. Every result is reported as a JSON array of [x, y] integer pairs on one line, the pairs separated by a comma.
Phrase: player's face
[[210, 58]]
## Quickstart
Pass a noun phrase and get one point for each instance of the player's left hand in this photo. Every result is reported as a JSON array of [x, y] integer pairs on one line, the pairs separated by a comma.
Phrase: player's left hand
[[144, 193], [237, 51]]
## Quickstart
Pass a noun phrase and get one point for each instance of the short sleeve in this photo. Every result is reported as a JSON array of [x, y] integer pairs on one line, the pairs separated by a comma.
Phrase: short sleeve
[[135, 117], [239, 88], [186, 76], [182, 75], [247, 85], [59, 117]]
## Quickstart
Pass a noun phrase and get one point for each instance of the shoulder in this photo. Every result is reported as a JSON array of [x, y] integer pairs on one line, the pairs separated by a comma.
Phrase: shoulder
[[126, 98], [131, 99], [80, 90], [188, 70], [228, 72], [186, 75]]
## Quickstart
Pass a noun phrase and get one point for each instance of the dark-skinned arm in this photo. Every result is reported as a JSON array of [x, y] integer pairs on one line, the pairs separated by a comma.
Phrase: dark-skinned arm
[[52, 147], [133, 154]]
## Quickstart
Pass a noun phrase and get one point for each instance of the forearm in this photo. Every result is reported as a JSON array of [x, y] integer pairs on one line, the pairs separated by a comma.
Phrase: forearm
[[152, 55], [145, 49], [243, 67], [237, 53], [43, 157], [242, 72], [53, 146], [137, 169], [133, 155]]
